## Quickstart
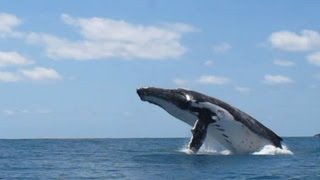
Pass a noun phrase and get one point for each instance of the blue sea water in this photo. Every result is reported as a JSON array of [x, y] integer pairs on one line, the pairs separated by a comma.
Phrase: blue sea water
[[149, 159]]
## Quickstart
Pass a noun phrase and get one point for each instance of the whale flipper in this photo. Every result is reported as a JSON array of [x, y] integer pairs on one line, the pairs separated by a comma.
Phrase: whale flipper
[[199, 134], [200, 128]]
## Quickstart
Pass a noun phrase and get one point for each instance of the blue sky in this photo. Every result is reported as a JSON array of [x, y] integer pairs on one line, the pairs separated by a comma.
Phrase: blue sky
[[69, 69]]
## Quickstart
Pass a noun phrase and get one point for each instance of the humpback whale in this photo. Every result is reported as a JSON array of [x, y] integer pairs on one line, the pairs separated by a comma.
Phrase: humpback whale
[[208, 116]]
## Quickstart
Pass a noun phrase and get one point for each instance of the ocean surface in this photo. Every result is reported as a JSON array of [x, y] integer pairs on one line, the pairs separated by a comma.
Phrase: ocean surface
[[152, 159]]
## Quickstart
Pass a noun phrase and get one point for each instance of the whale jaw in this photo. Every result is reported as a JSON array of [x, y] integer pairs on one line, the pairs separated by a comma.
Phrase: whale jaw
[[171, 96]]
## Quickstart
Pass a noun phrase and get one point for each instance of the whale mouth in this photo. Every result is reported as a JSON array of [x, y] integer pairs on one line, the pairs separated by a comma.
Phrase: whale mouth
[[142, 92], [152, 92], [174, 96], [165, 94]]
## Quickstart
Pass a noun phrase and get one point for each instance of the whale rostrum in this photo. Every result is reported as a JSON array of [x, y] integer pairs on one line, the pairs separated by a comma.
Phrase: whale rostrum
[[208, 116]]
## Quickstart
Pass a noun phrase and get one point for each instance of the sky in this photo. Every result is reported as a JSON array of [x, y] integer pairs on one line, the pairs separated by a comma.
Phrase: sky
[[70, 69]]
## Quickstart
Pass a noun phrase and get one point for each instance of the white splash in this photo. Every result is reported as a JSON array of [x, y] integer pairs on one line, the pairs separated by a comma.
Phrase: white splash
[[207, 150], [218, 150], [272, 150]]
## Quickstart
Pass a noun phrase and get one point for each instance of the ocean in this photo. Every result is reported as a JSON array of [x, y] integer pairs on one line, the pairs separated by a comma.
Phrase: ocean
[[153, 158]]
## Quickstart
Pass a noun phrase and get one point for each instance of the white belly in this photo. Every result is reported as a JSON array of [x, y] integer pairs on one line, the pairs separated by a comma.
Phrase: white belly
[[236, 137], [231, 134], [228, 132]]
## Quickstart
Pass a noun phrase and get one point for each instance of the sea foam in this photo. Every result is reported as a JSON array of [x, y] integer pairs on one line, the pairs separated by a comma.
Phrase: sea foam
[[215, 149], [272, 150], [206, 151]]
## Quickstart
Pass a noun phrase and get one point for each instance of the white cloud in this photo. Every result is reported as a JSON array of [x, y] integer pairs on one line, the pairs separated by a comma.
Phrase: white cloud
[[242, 89], [180, 82], [307, 40], [121, 31], [314, 58], [40, 74], [204, 80], [9, 77], [36, 74], [221, 48], [291, 41], [208, 63], [104, 38], [10, 58], [284, 63], [7, 23], [277, 79], [26, 111], [214, 80], [13, 58]]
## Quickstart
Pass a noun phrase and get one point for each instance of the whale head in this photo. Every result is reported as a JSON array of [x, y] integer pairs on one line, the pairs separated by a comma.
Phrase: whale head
[[180, 103], [166, 97]]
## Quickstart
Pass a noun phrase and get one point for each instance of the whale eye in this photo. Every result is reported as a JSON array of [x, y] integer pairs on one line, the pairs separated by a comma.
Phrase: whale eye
[[183, 100], [181, 95], [186, 96]]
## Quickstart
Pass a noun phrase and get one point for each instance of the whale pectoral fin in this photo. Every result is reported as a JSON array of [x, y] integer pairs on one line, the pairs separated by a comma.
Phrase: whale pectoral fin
[[199, 133]]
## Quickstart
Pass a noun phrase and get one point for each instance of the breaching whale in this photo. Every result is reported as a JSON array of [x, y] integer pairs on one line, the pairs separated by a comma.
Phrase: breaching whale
[[235, 130]]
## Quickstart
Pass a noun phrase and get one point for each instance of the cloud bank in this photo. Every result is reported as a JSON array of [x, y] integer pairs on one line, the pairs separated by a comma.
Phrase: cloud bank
[[290, 41], [306, 41], [104, 38], [14, 60], [99, 38]]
